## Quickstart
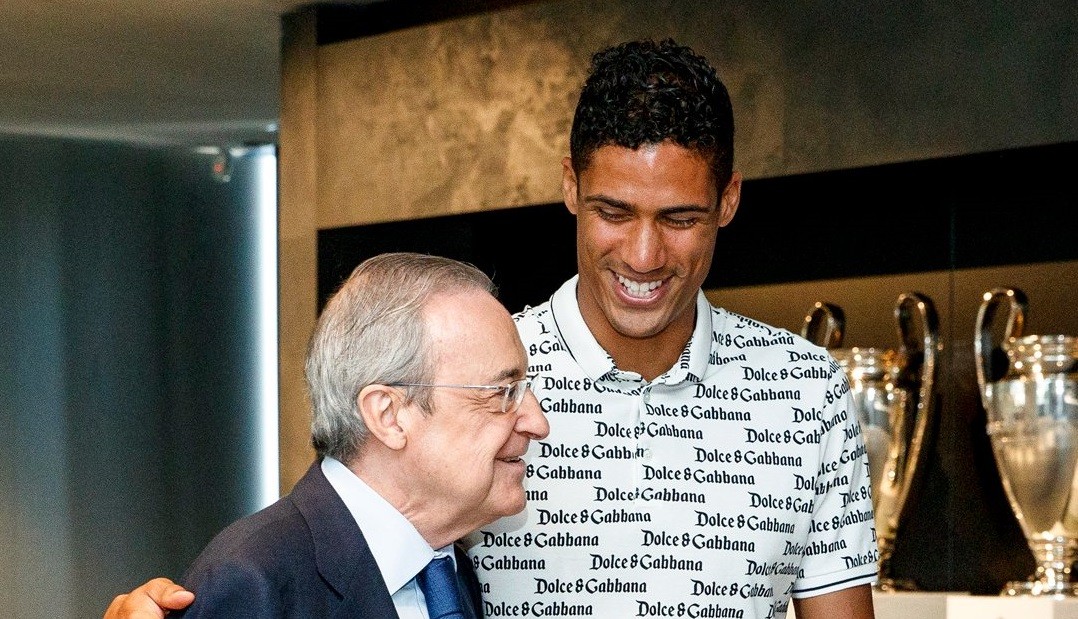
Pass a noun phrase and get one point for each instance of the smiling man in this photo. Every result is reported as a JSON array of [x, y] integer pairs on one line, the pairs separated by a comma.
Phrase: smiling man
[[700, 463], [647, 221], [422, 412]]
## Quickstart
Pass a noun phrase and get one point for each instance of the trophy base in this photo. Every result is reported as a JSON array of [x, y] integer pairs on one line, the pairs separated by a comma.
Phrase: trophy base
[[1017, 588], [894, 585]]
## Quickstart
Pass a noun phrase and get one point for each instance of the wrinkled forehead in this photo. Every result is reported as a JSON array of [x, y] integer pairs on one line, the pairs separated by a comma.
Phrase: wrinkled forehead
[[472, 332]]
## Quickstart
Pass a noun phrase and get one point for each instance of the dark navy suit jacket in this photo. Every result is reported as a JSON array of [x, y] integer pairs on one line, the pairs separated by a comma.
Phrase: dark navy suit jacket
[[303, 556]]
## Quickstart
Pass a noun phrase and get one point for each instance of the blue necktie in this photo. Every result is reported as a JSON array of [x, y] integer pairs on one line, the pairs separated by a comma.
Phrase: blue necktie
[[439, 584]]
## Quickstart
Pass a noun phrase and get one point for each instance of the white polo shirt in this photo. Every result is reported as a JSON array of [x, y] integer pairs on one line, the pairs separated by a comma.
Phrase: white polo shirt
[[732, 482]]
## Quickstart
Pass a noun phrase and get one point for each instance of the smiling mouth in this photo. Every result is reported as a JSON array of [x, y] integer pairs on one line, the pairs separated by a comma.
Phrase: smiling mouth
[[638, 290]]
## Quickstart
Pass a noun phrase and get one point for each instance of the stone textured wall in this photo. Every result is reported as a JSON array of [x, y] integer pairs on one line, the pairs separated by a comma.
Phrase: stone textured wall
[[474, 113]]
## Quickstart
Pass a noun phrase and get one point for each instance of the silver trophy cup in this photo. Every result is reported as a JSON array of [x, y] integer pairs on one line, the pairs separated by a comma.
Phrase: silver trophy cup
[[1029, 388], [893, 393]]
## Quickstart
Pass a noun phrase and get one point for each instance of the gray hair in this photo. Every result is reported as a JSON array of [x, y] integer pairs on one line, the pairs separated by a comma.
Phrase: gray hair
[[372, 332]]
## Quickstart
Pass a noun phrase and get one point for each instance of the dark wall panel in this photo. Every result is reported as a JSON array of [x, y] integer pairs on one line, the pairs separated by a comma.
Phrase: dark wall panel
[[528, 252]]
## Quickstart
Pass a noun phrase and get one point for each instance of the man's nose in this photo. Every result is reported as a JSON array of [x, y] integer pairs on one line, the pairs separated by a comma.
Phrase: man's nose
[[530, 418], [645, 251]]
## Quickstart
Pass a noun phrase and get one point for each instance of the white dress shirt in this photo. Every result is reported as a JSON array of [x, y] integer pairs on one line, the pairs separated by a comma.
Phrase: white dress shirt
[[398, 549]]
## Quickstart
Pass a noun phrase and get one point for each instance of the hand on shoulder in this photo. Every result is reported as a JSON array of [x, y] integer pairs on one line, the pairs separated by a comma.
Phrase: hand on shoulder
[[151, 600]]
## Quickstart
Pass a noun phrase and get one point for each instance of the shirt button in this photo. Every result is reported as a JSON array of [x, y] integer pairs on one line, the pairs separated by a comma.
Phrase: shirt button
[[647, 397], [647, 454]]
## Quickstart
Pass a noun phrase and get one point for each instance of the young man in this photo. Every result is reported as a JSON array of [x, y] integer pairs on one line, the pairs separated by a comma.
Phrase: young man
[[422, 412], [700, 463]]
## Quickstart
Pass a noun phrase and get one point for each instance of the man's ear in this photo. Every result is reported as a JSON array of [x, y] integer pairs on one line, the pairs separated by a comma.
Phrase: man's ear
[[730, 199], [569, 185], [380, 406]]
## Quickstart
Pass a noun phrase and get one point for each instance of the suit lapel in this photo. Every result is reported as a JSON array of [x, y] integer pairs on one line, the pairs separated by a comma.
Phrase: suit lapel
[[366, 600], [344, 560]]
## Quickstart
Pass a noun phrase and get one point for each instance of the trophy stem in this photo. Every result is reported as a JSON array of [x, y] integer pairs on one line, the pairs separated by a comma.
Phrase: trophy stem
[[1053, 576]]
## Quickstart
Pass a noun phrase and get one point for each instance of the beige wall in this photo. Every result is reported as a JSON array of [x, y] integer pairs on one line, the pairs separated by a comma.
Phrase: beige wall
[[474, 113], [297, 229]]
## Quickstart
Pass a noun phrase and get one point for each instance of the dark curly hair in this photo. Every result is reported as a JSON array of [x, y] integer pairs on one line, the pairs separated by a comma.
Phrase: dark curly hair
[[643, 92]]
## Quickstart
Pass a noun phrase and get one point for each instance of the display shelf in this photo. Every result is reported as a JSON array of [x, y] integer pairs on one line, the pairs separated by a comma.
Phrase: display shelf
[[914, 604], [911, 605], [988, 607], [961, 605]]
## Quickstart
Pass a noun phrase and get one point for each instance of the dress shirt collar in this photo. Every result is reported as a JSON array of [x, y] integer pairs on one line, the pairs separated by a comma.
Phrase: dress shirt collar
[[398, 549]]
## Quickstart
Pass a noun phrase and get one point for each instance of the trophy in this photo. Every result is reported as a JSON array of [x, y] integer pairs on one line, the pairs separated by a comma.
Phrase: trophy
[[893, 395], [1029, 388]]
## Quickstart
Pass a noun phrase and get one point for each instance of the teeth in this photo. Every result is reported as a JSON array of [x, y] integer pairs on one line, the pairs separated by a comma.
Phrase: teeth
[[638, 289]]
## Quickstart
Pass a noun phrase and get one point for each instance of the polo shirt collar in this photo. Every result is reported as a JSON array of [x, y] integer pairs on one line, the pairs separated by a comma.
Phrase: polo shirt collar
[[598, 364]]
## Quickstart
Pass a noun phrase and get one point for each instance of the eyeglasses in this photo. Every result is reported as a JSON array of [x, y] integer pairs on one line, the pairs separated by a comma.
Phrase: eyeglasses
[[512, 393]]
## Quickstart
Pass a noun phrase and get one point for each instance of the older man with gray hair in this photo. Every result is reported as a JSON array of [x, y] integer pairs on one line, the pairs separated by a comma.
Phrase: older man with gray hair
[[422, 412]]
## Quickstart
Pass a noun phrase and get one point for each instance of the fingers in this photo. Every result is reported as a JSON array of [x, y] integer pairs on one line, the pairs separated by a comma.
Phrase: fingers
[[167, 594], [152, 600], [120, 609]]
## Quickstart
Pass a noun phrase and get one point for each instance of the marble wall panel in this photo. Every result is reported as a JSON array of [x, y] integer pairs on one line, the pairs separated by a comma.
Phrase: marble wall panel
[[473, 113]]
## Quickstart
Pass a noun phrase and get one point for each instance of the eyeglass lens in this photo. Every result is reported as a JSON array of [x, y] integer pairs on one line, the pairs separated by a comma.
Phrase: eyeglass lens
[[514, 395]]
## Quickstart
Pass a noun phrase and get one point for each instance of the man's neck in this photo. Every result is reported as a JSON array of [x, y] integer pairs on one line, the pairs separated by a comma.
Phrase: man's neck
[[431, 521], [649, 357]]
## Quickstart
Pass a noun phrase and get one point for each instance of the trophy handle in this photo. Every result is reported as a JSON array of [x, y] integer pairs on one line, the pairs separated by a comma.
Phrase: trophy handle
[[918, 328], [825, 325], [988, 356]]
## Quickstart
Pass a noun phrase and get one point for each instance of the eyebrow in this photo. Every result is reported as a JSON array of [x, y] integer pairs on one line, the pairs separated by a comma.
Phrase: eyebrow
[[507, 374], [676, 208]]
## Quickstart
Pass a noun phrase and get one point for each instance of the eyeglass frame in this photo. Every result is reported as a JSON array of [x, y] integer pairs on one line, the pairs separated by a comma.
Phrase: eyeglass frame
[[505, 389]]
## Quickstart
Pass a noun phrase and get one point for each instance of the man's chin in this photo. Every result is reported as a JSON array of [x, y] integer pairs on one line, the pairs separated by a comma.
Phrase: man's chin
[[638, 327], [512, 502]]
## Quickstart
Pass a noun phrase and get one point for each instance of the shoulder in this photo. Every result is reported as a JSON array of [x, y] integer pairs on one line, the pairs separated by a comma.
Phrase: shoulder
[[740, 337], [240, 572], [232, 586], [530, 320], [255, 547], [532, 312], [738, 325]]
